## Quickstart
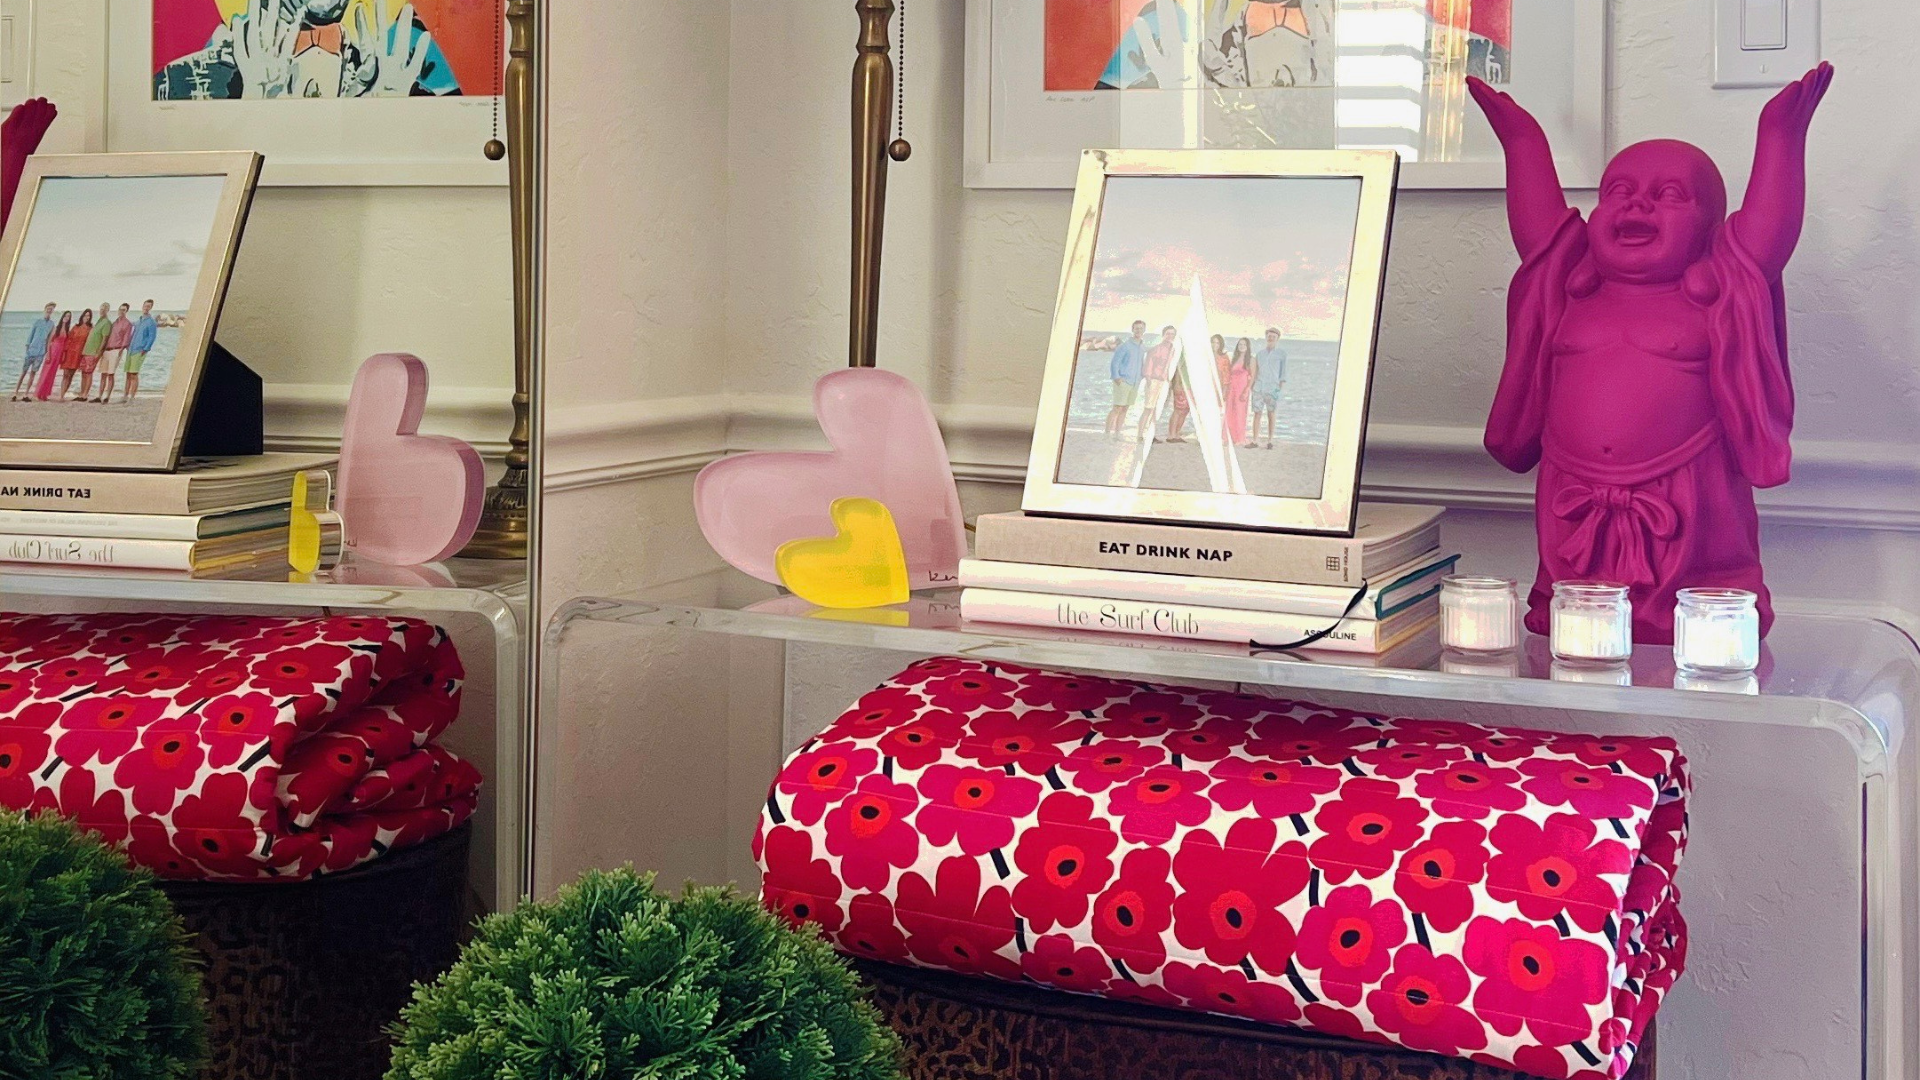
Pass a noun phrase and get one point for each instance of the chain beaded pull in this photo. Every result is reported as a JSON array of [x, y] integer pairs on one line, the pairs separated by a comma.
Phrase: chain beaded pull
[[900, 149]]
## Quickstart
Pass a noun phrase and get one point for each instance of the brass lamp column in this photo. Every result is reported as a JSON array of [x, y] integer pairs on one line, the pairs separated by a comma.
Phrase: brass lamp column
[[504, 521], [872, 102]]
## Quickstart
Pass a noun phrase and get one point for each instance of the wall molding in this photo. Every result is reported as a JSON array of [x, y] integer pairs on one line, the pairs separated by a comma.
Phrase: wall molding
[[1837, 483], [308, 417]]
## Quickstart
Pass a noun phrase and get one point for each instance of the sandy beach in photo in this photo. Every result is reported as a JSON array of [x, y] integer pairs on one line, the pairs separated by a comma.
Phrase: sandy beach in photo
[[114, 422]]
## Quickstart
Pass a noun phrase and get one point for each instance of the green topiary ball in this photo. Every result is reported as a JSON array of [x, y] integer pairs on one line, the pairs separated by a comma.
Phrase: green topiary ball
[[613, 978], [95, 976]]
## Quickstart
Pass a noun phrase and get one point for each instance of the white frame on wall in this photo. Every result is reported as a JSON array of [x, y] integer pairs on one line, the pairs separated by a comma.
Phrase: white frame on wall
[[1580, 144], [385, 142]]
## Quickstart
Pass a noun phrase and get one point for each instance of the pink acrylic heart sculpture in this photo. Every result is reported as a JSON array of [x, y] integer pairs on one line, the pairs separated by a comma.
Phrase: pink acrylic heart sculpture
[[405, 498], [886, 446]]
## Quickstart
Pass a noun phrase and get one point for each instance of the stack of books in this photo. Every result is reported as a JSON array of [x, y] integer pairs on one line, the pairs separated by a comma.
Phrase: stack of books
[[1362, 594], [224, 516]]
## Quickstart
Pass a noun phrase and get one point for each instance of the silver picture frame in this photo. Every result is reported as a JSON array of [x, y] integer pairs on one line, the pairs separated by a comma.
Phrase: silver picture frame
[[1333, 510]]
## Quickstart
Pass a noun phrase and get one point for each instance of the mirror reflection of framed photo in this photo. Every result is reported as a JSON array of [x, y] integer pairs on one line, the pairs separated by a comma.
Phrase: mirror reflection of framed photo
[[1213, 341], [115, 269]]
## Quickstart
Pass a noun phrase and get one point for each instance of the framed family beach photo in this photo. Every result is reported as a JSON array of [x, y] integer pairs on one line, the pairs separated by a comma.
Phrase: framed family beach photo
[[116, 266], [1212, 347]]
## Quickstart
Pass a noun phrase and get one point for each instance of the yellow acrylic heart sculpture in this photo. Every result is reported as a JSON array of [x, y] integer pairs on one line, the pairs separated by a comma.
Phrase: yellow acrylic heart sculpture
[[861, 566], [303, 530]]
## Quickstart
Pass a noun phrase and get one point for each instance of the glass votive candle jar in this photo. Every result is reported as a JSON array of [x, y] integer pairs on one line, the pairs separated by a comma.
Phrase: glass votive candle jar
[[1479, 614], [1591, 672], [1716, 631], [1592, 622]]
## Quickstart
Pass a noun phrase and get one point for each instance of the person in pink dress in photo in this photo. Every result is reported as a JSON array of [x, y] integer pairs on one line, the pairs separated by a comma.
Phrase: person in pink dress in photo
[[1239, 384], [56, 357]]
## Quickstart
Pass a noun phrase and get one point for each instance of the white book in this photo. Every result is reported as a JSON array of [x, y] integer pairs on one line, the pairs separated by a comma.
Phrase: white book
[[142, 526], [1194, 622], [92, 551], [1393, 592]]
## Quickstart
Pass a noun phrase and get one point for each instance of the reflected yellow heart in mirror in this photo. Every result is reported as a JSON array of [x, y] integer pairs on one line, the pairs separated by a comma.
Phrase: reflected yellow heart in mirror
[[303, 531], [861, 566]]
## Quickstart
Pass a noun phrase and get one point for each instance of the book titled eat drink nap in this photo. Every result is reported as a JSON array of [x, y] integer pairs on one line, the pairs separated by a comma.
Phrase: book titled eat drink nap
[[1388, 536]]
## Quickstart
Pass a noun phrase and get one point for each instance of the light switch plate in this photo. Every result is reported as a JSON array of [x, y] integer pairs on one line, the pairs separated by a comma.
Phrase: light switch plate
[[1738, 21]]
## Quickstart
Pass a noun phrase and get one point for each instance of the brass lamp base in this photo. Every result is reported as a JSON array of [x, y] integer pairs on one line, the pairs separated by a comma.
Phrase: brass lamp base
[[503, 521]]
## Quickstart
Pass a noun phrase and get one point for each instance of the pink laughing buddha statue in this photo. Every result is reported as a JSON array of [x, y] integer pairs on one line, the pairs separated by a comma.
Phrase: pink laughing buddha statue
[[1646, 370]]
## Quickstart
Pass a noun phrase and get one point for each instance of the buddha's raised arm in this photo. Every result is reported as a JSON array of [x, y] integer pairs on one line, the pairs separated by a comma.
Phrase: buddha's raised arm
[[1769, 219], [1535, 203]]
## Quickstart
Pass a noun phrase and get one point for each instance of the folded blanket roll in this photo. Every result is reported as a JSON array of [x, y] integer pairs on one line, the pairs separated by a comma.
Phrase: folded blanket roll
[[1500, 895], [231, 747]]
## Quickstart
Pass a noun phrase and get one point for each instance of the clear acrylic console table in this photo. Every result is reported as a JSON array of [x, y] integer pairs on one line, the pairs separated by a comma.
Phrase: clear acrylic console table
[[492, 593], [662, 720]]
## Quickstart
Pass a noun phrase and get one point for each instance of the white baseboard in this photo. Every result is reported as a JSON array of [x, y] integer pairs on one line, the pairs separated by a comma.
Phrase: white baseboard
[[1837, 483]]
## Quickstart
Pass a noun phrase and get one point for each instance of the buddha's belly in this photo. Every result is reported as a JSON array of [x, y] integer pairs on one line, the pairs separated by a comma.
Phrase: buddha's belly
[[1626, 406]]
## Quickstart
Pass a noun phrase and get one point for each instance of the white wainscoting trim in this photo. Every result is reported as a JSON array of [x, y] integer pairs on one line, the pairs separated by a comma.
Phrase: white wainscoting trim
[[307, 417], [1836, 483]]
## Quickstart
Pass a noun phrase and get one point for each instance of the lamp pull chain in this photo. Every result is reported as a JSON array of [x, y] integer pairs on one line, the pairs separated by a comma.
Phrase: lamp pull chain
[[495, 150], [900, 149]]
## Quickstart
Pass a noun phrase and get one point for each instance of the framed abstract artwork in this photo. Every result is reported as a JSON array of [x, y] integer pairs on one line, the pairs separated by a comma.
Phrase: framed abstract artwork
[[1047, 79], [1212, 348], [332, 92], [115, 269]]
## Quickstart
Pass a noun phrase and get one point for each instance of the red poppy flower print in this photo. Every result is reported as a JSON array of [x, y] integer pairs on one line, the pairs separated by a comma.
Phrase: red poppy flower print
[[798, 887], [223, 676], [352, 628], [1557, 868], [1349, 940], [1544, 1062], [823, 776], [1533, 976], [970, 690], [1364, 829], [975, 806], [1468, 789], [15, 686], [1148, 713], [320, 769], [1422, 1004], [1504, 746], [225, 630], [62, 676], [288, 635], [1162, 799], [104, 728], [1068, 693], [1029, 741], [1059, 961], [921, 741], [1214, 739], [1103, 763], [1065, 857], [149, 843], [1237, 706], [1130, 917], [166, 763], [1332, 1020], [22, 752], [954, 924], [215, 829], [1642, 757], [1275, 789], [160, 671], [1592, 791], [879, 710], [1145, 994], [870, 929], [297, 672], [939, 667], [1326, 742], [1401, 760], [1231, 992], [1228, 906], [32, 641], [238, 724], [870, 833], [349, 842], [1437, 875]]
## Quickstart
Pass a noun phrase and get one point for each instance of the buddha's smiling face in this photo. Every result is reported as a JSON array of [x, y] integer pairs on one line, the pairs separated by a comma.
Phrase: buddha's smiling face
[[1659, 204], [316, 12]]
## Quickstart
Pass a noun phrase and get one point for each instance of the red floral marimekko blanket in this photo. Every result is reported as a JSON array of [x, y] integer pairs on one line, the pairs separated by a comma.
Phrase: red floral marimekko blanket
[[1500, 895], [234, 747]]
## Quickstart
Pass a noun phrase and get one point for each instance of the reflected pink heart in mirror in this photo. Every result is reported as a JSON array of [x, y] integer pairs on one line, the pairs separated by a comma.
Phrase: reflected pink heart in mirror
[[886, 446], [404, 498]]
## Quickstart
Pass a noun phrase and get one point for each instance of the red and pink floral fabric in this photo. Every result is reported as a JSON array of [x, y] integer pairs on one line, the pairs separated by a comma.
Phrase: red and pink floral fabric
[[234, 747], [1500, 895]]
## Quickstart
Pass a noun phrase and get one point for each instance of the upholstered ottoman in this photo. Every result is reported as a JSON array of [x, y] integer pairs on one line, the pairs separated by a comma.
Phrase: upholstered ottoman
[[1493, 896]]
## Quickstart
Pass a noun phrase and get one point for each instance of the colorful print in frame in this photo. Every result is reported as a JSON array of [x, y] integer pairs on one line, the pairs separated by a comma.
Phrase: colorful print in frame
[[1212, 347], [115, 269]]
